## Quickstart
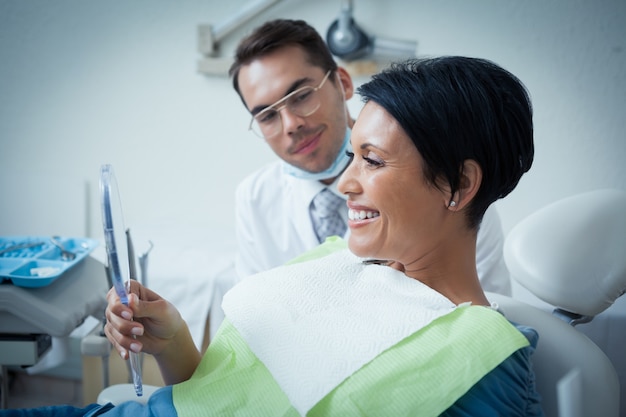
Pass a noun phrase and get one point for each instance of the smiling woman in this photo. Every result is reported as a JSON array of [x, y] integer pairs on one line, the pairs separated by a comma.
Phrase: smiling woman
[[437, 142]]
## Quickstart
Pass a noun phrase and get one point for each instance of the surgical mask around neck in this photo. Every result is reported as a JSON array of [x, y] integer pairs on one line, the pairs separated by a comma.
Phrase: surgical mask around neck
[[336, 168]]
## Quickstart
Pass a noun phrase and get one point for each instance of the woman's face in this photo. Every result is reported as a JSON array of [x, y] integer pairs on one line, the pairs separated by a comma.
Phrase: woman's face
[[394, 214]]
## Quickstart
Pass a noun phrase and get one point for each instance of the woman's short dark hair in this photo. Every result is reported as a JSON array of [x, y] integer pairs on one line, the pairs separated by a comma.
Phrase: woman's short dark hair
[[459, 108], [279, 33]]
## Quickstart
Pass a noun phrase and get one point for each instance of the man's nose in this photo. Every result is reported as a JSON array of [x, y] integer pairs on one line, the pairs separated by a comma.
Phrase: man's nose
[[291, 121]]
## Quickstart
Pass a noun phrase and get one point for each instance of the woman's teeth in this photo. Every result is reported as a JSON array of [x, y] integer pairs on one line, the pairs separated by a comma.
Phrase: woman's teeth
[[361, 214]]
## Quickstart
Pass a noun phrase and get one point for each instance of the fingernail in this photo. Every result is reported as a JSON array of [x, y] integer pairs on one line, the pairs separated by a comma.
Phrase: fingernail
[[137, 331], [127, 315], [123, 353], [135, 347]]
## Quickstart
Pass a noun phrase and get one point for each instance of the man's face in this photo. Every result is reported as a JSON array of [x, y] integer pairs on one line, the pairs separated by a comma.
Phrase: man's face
[[310, 143]]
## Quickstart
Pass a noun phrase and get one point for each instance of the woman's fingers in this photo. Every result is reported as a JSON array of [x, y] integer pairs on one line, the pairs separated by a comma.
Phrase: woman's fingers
[[120, 328]]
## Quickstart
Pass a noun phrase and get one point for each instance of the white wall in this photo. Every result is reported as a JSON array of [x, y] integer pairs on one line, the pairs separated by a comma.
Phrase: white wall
[[89, 82]]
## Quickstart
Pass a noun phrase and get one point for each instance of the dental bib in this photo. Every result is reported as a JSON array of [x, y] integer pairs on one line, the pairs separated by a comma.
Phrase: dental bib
[[312, 323]]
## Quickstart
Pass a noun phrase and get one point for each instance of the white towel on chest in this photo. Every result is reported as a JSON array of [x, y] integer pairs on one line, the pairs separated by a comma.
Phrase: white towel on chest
[[315, 323]]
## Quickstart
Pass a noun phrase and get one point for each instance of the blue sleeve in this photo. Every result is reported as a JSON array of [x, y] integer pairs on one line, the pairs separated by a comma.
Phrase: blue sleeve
[[58, 411], [508, 390], [160, 404]]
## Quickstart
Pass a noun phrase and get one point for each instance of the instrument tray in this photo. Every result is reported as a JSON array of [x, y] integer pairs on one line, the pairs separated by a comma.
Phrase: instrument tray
[[34, 261]]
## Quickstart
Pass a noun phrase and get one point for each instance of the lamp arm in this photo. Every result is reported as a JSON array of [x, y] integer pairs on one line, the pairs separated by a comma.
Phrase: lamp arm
[[209, 36], [249, 11]]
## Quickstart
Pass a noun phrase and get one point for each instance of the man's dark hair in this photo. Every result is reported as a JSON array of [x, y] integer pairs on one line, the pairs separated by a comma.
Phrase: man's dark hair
[[279, 33]]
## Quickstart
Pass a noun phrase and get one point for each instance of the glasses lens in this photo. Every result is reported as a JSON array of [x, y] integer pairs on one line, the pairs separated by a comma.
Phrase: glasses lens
[[267, 123], [263, 132], [304, 102]]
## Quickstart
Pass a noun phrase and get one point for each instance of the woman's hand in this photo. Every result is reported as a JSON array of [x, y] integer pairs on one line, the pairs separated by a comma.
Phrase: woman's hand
[[153, 320], [152, 325]]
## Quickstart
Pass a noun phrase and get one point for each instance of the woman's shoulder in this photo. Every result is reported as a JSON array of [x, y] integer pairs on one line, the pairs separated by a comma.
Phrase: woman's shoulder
[[528, 332], [508, 390]]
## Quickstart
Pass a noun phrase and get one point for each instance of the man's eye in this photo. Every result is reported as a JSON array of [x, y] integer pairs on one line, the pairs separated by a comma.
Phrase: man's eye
[[300, 97], [267, 116]]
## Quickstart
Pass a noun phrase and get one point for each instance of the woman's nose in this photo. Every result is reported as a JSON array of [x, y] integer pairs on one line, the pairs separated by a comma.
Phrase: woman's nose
[[347, 183]]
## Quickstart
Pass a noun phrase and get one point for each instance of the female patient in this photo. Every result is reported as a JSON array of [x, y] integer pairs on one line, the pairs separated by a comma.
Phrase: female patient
[[396, 325]]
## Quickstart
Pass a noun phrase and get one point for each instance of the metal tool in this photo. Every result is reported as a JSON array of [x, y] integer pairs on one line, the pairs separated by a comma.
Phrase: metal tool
[[66, 255], [21, 246]]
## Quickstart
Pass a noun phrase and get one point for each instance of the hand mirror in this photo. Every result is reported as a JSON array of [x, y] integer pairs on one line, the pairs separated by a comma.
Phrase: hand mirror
[[119, 251]]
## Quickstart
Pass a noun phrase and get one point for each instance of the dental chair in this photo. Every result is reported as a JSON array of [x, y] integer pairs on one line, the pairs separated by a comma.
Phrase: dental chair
[[572, 255]]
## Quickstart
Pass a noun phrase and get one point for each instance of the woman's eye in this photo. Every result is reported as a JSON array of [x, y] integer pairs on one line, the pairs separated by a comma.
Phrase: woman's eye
[[373, 160], [370, 160]]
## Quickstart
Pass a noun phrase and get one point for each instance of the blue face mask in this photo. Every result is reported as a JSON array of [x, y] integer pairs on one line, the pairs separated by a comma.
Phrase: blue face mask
[[341, 161]]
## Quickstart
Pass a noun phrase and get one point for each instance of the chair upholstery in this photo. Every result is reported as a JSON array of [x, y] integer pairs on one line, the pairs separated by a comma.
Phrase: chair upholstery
[[570, 254], [561, 349]]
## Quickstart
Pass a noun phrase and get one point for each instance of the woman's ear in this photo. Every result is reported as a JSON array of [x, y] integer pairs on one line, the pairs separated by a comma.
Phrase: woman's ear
[[471, 177]]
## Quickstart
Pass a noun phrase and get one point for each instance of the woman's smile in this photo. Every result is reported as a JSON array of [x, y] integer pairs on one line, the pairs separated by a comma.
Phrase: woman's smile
[[358, 215]]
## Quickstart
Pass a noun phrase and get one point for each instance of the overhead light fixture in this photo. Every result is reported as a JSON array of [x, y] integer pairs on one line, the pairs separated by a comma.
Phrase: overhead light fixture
[[346, 40]]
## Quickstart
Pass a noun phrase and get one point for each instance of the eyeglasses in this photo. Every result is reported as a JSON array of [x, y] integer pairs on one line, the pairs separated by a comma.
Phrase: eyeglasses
[[302, 102]]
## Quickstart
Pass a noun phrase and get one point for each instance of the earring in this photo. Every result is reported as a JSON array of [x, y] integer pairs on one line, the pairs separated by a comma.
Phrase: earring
[[452, 203]]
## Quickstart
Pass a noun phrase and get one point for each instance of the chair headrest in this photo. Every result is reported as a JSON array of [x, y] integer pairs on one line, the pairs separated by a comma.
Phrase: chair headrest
[[572, 253]]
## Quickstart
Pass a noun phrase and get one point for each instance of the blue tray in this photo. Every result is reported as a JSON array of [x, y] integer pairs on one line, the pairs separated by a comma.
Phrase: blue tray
[[36, 262]]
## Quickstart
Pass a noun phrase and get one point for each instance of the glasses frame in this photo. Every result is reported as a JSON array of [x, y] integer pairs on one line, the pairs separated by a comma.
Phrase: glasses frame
[[277, 107]]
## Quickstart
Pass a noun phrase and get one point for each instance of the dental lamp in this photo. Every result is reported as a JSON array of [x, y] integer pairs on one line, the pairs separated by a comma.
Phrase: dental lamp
[[345, 39], [349, 42]]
